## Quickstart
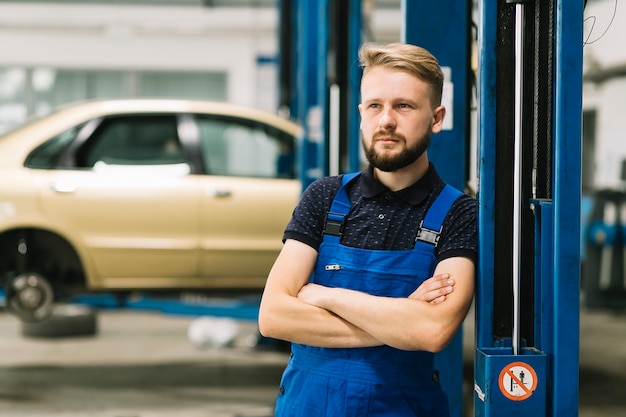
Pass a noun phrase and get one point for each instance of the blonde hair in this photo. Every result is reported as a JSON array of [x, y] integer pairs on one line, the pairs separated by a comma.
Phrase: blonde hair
[[414, 59]]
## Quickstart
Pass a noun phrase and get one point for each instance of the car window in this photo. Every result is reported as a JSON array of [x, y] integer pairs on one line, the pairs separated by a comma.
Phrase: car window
[[241, 148], [45, 155], [132, 140]]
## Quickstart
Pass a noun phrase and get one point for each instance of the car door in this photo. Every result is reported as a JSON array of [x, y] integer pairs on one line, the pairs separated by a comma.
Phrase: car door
[[131, 203], [248, 196]]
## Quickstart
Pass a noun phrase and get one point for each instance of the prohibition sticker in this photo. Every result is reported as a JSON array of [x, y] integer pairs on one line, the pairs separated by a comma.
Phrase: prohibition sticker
[[517, 381]]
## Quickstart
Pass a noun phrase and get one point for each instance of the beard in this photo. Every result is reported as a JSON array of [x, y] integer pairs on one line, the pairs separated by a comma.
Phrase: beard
[[397, 161]]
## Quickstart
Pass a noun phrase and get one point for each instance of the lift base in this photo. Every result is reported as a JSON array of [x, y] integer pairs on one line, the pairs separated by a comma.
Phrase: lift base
[[515, 383]]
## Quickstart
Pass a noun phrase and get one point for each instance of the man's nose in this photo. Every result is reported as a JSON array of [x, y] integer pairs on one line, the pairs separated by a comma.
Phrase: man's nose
[[387, 119]]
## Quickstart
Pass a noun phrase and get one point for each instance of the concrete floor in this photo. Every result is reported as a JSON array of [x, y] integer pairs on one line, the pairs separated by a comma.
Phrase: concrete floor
[[141, 364]]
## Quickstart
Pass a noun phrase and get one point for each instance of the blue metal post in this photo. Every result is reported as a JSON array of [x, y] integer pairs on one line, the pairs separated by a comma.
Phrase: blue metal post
[[312, 85], [567, 200], [312, 24], [487, 36], [437, 26], [443, 27], [354, 95], [556, 235]]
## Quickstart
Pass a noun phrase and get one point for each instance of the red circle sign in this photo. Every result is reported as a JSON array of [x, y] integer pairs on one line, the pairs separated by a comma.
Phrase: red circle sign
[[517, 381]]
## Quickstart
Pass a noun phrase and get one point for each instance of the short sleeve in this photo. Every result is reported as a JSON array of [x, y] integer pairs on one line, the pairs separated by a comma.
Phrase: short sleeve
[[459, 236], [308, 218]]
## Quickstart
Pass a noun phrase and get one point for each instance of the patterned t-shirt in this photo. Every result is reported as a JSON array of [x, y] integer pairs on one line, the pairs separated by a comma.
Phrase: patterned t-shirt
[[384, 219]]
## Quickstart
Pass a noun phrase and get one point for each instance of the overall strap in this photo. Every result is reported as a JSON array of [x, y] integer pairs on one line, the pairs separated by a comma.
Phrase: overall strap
[[430, 228], [339, 209]]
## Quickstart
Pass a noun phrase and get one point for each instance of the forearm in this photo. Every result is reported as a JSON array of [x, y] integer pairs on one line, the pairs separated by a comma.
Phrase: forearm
[[283, 316], [426, 320], [399, 322], [287, 318]]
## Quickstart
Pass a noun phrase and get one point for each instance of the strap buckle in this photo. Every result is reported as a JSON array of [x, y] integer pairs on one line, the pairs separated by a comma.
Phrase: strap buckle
[[334, 223], [428, 235]]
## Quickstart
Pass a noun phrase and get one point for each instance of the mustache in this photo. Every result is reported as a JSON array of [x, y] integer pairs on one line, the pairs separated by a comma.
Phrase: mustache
[[388, 134]]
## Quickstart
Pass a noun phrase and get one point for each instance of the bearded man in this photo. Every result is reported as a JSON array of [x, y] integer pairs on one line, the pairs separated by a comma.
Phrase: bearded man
[[377, 268]]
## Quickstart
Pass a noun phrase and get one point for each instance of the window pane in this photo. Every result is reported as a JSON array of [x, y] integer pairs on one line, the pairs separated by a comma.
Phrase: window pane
[[13, 109], [207, 86], [140, 140], [45, 156], [28, 92], [238, 148], [74, 85]]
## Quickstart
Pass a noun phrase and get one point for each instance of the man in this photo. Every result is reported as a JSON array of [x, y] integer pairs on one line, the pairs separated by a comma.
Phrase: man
[[351, 288]]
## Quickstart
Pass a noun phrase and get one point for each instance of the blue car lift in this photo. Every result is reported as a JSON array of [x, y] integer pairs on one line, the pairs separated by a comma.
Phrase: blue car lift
[[527, 299], [320, 80], [240, 308]]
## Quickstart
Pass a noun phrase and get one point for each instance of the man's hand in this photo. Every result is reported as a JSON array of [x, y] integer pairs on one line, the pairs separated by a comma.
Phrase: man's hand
[[434, 290], [313, 294]]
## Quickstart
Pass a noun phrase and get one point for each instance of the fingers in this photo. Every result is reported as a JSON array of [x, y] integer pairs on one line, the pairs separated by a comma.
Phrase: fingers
[[439, 281], [435, 289], [438, 300], [438, 295]]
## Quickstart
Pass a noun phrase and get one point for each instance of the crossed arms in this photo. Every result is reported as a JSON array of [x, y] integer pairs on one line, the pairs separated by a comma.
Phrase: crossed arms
[[293, 310]]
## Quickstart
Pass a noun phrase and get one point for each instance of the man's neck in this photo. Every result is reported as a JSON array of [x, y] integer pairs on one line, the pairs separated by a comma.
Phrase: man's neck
[[405, 177]]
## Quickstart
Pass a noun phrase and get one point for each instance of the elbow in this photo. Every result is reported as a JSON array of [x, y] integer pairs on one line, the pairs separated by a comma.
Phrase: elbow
[[432, 345], [437, 344], [433, 341], [265, 325], [269, 325], [264, 319], [267, 331]]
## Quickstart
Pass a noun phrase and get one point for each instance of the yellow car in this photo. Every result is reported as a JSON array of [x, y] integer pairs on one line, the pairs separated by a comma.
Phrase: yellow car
[[142, 194]]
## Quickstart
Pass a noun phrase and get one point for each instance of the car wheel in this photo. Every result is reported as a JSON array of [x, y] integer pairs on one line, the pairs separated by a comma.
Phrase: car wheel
[[66, 320], [29, 296]]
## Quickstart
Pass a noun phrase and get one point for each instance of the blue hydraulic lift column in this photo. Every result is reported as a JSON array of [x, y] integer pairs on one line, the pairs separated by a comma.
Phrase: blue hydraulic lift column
[[311, 90], [550, 348], [564, 341], [443, 27], [353, 93], [323, 83]]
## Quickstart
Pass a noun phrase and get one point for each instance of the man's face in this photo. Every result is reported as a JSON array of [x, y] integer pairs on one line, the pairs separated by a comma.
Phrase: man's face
[[397, 118]]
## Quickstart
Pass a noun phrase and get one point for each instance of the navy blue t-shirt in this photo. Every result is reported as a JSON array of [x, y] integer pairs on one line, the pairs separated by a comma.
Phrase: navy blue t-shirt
[[384, 219]]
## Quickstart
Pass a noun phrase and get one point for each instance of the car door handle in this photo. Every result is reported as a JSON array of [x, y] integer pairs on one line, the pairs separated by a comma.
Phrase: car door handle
[[213, 192], [64, 187]]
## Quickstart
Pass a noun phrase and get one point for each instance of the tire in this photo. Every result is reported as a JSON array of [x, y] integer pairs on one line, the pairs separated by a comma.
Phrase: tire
[[66, 320], [29, 296]]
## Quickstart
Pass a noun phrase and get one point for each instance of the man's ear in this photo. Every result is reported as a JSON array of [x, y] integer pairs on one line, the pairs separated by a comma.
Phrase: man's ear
[[438, 116], [360, 107]]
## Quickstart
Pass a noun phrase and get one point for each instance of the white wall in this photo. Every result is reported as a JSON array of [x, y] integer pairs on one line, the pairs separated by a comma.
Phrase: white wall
[[609, 101], [141, 38], [604, 36], [157, 38], [604, 33]]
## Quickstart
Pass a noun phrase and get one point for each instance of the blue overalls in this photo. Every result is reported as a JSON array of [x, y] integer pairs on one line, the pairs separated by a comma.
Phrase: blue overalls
[[373, 381]]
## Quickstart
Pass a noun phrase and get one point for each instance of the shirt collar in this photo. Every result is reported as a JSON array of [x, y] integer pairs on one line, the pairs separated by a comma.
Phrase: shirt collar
[[413, 194]]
